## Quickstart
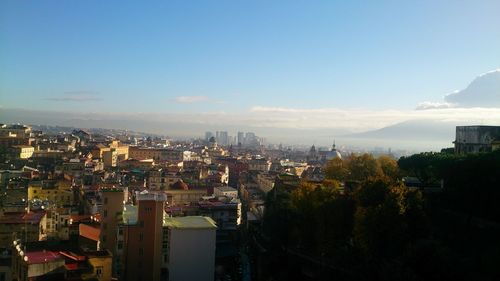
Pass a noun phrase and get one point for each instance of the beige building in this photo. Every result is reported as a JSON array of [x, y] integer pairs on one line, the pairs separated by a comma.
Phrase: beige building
[[265, 182], [18, 131], [259, 164], [30, 226], [226, 191], [59, 223], [162, 179], [157, 154], [144, 153], [190, 248], [71, 264], [110, 158], [112, 207], [182, 197]]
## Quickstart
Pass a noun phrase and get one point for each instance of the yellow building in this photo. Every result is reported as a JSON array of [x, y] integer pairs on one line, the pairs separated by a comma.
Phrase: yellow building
[[22, 151], [145, 153], [57, 192], [157, 154], [101, 265], [120, 150], [110, 158]]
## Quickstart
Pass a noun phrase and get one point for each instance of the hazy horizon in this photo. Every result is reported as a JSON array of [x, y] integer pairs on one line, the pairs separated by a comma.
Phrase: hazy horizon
[[290, 71]]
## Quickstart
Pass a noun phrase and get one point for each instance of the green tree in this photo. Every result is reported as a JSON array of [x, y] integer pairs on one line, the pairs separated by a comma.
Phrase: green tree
[[362, 167], [389, 167], [422, 166], [336, 170], [388, 219]]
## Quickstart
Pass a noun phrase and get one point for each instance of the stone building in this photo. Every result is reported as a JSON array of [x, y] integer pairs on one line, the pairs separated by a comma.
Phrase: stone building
[[473, 139]]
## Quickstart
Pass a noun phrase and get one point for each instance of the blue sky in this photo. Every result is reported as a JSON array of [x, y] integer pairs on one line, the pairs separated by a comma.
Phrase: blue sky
[[232, 56]]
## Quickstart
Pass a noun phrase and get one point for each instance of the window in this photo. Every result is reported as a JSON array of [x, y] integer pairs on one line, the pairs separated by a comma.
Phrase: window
[[105, 213], [120, 245], [98, 271], [141, 236], [105, 200]]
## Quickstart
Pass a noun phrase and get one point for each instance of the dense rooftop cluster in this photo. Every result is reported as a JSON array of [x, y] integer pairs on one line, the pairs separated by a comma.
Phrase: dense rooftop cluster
[[112, 204]]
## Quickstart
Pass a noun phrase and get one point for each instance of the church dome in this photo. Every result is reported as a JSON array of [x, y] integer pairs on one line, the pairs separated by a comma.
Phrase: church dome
[[333, 154], [179, 185]]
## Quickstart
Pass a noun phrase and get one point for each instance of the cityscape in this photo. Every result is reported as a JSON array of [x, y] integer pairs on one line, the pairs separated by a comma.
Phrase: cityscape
[[249, 140]]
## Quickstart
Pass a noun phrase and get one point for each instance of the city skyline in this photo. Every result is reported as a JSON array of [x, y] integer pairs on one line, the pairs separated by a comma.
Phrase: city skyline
[[286, 71], [249, 140]]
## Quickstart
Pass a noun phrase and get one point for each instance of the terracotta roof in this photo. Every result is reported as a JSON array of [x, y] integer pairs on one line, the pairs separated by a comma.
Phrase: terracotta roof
[[42, 256], [17, 218], [89, 231], [80, 218], [179, 185]]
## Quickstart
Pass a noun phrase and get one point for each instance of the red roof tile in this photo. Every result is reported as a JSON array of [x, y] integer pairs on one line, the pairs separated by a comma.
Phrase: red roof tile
[[89, 231], [42, 257]]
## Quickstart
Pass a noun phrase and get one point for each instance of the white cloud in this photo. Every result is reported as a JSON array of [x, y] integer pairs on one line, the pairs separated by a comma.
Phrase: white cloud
[[483, 91], [76, 96], [364, 119], [434, 105], [190, 99]]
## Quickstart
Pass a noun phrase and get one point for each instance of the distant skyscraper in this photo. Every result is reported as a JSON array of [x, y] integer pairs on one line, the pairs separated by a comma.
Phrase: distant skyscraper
[[223, 138], [241, 138], [250, 139], [208, 135]]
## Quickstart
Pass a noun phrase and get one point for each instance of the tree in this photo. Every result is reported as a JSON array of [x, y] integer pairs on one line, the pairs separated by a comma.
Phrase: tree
[[389, 167], [421, 166], [336, 170], [389, 218], [362, 167]]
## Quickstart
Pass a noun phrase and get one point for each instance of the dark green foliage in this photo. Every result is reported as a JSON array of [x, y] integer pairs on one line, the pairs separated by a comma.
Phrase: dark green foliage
[[385, 231], [361, 167], [471, 182]]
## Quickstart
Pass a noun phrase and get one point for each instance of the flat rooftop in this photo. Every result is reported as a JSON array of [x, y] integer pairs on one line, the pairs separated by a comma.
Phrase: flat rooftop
[[43, 257], [190, 222], [19, 218], [225, 188]]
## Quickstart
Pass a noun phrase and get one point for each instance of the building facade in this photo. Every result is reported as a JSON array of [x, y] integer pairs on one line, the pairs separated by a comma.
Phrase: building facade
[[142, 254], [474, 139], [190, 248]]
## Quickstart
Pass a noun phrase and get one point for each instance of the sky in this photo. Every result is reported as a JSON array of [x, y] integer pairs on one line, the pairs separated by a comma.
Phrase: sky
[[245, 59]]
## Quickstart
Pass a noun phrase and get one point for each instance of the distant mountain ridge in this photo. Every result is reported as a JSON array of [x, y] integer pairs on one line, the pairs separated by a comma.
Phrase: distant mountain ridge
[[413, 130], [422, 135]]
